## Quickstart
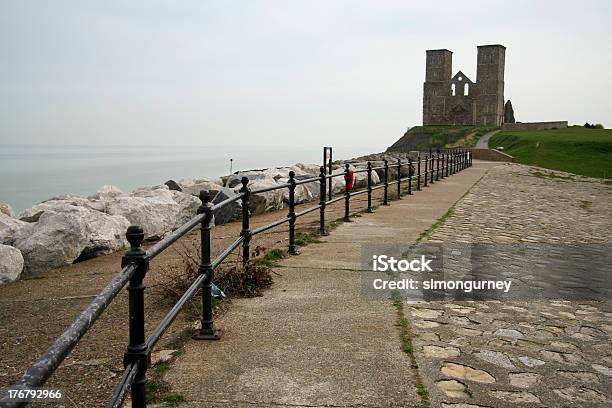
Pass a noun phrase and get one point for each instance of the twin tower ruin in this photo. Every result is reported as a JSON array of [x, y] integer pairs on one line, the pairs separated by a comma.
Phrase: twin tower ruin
[[457, 100]]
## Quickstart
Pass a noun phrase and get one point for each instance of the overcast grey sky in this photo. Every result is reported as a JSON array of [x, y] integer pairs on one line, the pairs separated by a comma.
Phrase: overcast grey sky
[[320, 72]]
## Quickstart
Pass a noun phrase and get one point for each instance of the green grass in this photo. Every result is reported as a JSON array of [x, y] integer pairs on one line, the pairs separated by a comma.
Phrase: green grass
[[173, 399], [425, 137], [456, 136], [425, 235], [270, 258], [577, 150], [305, 238], [424, 394], [407, 347]]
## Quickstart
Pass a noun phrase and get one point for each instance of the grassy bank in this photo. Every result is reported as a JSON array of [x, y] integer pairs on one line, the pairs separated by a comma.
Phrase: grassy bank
[[576, 150], [424, 137]]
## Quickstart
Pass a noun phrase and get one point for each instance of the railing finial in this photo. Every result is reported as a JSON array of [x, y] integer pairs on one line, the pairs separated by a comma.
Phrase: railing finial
[[135, 236], [204, 196]]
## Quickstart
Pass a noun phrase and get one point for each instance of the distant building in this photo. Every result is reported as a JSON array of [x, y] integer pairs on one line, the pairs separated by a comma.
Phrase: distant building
[[457, 100]]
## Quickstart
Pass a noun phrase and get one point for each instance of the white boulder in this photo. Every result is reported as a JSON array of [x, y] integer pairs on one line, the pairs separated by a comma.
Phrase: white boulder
[[194, 186], [188, 207], [266, 201], [11, 264], [234, 180], [303, 192], [64, 234], [149, 191], [156, 213], [311, 169], [6, 210], [338, 183], [107, 192], [58, 204], [8, 226]]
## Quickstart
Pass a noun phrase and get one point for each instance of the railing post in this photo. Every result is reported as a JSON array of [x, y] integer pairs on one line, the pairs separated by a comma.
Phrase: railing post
[[386, 189], [447, 163], [207, 330], [330, 171], [137, 350], [456, 162], [419, 173], [322, 193], [370, 187], [399, 179], [431, 169], [347, 193], [426, 168], [292, 248], [442, 166], [437, 166], [409, 176], [246, 229]]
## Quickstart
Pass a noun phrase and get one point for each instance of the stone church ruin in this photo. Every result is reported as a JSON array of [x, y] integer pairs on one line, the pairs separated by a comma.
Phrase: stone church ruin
[[457, 100]]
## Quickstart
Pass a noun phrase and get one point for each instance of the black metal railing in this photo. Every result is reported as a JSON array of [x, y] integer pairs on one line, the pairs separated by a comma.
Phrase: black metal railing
[[135, 264]]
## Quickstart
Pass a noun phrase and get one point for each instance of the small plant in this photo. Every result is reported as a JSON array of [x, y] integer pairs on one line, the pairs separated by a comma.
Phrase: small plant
[[270, 258], [237, 281], [173, 399], [231, 276], [305, 238], [424, 394], [155, 388]]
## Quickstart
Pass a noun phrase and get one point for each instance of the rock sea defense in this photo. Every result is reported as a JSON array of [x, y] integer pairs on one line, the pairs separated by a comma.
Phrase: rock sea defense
[[8, 227], [6, 210], [65, 234], [11, 265], [68, 228]]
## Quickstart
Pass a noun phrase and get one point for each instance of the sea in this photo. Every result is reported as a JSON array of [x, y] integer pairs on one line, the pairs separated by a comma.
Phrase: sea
[[30, 174]]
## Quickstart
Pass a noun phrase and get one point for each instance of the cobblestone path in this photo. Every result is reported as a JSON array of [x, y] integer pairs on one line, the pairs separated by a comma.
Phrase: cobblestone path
[[542, 353]]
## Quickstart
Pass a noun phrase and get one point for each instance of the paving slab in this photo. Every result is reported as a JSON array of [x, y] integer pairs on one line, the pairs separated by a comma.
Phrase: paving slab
[[529, 351]]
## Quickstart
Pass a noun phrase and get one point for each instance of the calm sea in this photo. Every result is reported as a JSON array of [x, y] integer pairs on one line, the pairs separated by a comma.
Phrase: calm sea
[[31, 174]]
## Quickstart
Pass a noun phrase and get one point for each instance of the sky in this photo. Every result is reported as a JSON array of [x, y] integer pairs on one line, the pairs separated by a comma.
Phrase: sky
[[270, 73]]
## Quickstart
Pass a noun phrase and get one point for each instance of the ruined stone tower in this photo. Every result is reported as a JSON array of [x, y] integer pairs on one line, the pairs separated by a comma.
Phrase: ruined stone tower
[[457, 100]]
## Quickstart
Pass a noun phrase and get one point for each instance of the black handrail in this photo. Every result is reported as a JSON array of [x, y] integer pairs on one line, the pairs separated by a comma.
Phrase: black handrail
[[44, 367], [135, 264]]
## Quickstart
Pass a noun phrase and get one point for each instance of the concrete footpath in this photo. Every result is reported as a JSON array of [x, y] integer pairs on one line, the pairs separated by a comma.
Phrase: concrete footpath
[[483, 142], [311, 340]]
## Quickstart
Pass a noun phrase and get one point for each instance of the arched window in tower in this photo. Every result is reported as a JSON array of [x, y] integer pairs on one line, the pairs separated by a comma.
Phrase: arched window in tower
[[453, 89], [466, 89]]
